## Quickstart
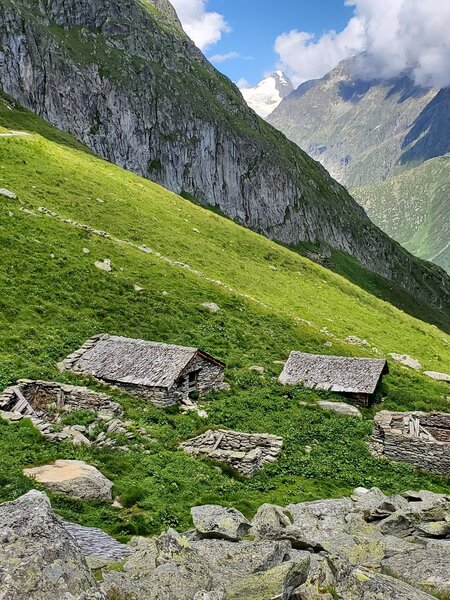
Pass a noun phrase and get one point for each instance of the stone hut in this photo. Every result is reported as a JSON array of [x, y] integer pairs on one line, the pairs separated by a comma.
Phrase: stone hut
[[419, 438], [160, 373], [247, 453], [356, 378]]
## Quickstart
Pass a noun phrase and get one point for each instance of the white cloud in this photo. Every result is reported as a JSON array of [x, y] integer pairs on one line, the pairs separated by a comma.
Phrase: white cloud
[[306, 57], [203, 27], [397, 36], [220, 58], [242, 83]]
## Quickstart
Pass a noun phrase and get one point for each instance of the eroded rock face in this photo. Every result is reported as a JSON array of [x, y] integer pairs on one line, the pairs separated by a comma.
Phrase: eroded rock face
[[39, 560]]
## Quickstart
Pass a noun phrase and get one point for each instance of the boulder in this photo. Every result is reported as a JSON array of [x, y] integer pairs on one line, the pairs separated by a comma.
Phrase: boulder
[[376, 505], [362, 584], [220, 522], [341, 408], [229, 560], [278, 582], [74, 478], [406, 360], [438, 376], [39, 559], [425, 568]]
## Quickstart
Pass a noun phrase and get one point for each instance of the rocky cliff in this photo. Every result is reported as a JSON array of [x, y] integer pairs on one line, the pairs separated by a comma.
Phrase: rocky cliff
[[122, 76]]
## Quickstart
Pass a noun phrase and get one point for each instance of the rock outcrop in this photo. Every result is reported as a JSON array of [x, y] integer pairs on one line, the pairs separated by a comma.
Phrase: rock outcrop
[[367, 547], [123, 78]]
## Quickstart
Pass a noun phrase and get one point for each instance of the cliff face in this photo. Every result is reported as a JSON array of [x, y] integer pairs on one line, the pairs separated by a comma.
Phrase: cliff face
[[122, 77]]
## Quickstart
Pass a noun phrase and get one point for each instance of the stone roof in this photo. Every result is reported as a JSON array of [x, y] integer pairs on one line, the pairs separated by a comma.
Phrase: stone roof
[[137, 362], [335, 373]]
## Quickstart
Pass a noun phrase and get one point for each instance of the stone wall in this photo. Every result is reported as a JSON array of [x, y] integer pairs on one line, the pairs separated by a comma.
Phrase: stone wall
[[49, 397], [421, 439], [160, 397], [245, 452]]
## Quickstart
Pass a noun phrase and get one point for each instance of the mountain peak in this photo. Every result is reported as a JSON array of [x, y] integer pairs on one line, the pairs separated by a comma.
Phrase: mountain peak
[[268, 93]]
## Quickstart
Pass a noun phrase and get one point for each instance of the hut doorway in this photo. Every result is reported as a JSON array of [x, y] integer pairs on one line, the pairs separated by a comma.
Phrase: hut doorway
[[193, 382]]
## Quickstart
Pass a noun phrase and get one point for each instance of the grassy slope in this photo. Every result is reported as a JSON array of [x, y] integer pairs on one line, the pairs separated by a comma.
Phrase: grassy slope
[[413, 208], [53, 298]]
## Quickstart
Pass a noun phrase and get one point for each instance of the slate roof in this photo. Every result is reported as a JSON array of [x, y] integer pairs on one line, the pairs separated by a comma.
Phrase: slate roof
[[335, 373], [138, 362]]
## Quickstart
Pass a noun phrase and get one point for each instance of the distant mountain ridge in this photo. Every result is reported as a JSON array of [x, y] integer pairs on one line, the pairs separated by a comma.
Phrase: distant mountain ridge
[[268, 93], [372, 136]]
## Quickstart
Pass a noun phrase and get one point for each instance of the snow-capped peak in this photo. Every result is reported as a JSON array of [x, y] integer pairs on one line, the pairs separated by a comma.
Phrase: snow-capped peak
[[267, 95]]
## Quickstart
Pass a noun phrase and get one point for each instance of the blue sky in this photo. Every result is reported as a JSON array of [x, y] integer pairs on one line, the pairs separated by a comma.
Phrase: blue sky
[[257, 23], [308, 38]]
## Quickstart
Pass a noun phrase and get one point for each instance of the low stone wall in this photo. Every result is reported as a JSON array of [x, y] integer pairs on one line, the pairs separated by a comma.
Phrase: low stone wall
[[421, 439], [50, 397], [245, 452]]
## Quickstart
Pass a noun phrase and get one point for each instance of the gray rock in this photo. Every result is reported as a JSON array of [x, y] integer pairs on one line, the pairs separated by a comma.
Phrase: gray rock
[[229, 560], [211, 306], [376, 505], [257, 369], [7, 193], [39, 560], [406, 361], [362, 584], [341, 408], [216, 521], [278, 582], [438, 376], [426, 568], [104, 265], [74, 478]]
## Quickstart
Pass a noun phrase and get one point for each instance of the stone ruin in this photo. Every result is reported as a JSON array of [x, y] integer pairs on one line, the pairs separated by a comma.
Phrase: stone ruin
[[245, 452], [47, 402], [419, 438]]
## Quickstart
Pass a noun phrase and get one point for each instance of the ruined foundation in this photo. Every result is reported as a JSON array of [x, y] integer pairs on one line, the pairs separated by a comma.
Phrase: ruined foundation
[[419, 438], [245, 452]]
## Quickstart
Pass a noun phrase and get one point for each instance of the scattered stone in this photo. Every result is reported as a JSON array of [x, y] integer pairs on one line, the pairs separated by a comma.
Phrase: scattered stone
[[218, 522], [328, 344], [7, 194], [438, 376], [104, 265], [341, 408], [356, 341], [137, 288], [211, 306], [74, 478], [406, 360], [257, 369], [86, 251]]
